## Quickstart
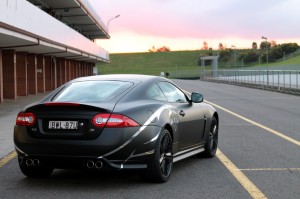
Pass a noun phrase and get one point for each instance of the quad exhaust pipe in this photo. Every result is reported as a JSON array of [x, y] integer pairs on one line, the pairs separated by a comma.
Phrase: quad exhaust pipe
[[91, 164], [32, 162]]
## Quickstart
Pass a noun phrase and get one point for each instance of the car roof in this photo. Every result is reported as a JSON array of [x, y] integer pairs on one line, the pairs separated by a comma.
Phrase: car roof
[[121, 77]]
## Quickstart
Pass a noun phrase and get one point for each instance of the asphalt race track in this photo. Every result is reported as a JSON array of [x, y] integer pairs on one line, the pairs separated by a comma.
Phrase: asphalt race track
[[258, 157]]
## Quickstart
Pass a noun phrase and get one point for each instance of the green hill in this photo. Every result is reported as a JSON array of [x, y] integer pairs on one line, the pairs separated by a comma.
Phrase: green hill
[[151, 63], [177, 63]]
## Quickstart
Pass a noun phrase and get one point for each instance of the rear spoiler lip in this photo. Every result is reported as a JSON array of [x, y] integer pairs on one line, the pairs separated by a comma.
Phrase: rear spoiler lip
[[61, 104], [101, 107]]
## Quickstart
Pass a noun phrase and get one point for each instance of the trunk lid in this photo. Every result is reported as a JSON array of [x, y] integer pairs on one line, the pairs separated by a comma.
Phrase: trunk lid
[[65, 120]]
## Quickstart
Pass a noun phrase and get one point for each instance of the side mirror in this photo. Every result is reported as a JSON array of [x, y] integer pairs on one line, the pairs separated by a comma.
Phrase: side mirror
[[197, 97]]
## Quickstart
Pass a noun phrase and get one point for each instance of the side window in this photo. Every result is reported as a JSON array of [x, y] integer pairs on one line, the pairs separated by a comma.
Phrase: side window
[[154, 92], [172, 93]]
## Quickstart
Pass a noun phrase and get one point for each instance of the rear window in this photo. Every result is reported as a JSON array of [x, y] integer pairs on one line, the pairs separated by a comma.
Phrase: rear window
[[92, 91]]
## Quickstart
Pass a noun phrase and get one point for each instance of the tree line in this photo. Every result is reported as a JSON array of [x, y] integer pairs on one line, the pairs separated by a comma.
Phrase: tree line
[[254, 54], [272, 49]]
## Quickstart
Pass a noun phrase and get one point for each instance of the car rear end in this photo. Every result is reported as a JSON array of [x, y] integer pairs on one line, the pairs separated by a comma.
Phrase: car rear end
[[81, 131]]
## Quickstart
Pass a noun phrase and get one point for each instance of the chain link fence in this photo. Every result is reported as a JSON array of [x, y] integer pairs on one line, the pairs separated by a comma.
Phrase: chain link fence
[[280, 80]]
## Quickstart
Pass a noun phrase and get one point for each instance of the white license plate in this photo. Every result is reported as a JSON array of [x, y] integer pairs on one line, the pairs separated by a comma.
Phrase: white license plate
[[63, 125]]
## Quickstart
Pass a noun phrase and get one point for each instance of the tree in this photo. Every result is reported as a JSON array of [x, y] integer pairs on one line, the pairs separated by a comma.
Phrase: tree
[[264, 44], [249, 56], [273, 44], [210, 51], [254, 45], [275, 53], [161, 49], [205, 46], [153, 49], [221, 47], [224, 55], [289, 47]]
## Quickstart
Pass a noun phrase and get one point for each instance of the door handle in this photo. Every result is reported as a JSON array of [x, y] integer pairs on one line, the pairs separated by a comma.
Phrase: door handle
[[182, 113]]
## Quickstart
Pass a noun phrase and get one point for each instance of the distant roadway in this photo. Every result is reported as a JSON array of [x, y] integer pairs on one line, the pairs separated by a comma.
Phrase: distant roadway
[[258, 156]]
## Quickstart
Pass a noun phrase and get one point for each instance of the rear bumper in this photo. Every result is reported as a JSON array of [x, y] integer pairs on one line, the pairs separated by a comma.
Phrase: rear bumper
[[82, 162], [127, 148]]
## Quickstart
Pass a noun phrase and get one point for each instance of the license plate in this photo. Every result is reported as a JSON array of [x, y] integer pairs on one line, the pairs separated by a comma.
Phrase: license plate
[[63, 125]]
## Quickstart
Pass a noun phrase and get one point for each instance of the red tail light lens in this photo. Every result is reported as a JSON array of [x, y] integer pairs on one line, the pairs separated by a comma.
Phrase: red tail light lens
[[113, 121], [25, 119]]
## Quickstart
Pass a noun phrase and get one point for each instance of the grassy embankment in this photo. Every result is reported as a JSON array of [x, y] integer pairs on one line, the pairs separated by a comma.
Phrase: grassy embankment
[[177, 63], [150, 63]]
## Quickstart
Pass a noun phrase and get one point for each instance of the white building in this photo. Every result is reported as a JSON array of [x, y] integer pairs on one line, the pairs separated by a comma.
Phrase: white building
[[45, 43]]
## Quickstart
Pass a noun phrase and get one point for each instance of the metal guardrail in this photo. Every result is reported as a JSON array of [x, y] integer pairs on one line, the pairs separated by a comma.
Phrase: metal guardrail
[[281, 80]]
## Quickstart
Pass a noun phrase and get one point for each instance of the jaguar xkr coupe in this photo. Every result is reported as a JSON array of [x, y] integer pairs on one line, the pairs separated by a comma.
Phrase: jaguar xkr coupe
[[118, 122]]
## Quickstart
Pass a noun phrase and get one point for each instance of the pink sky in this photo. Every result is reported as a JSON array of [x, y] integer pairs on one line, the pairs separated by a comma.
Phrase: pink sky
[[186, 24]]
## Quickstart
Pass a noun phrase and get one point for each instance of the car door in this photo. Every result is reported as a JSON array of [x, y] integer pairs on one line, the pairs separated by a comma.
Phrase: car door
[[191, 118]]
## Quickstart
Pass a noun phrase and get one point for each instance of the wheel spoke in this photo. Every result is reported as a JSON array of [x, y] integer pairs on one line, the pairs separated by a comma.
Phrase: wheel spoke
[[213, 138], [163, 166], [161, 159], [168, 159], [211, 143], [167, 169], [165, 144], [215, 142], [169, 154], [215, 130]]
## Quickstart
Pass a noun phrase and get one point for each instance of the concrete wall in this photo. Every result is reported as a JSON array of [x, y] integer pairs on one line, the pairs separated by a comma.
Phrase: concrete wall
[[21, 70], [32, 73], [9, 74], [22, 74], [41, 74]]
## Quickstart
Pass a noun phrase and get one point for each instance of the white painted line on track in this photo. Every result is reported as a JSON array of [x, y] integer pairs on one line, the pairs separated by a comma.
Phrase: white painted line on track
[[271, 169], [240, 177], [257, 124], [7, 158]]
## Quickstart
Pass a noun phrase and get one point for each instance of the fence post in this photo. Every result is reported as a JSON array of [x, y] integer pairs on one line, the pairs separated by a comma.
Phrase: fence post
[[278, 80]]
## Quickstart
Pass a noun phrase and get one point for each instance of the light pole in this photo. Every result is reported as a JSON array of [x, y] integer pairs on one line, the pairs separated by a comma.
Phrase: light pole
[[234, 62], [108, 22], [234, 55], [267, 58]]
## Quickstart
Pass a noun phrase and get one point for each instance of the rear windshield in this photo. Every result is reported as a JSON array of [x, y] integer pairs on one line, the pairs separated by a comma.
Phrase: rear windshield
[[92, 91]]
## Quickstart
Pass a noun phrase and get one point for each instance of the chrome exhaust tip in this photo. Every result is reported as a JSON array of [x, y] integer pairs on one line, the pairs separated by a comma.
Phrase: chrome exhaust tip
[[29, 162], [90, 164], [36, 162], [98, 165]]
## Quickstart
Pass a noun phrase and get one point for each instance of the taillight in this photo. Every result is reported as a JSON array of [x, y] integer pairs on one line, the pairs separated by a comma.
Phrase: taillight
[[113, 121], [25, 119]]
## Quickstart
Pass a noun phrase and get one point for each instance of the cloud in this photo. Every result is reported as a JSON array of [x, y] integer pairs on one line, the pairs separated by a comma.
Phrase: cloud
[[199, 18], [202, 19]]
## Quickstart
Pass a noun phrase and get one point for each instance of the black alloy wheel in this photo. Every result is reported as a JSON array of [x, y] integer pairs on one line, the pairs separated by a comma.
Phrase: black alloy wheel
[[212, 141], [166, 156], [159, 170]]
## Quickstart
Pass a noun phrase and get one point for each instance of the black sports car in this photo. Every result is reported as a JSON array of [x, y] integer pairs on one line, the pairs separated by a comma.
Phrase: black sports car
[[115, 121]]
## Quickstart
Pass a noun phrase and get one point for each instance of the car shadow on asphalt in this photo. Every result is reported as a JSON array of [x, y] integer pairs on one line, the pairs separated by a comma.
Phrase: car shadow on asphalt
[[112, 178]]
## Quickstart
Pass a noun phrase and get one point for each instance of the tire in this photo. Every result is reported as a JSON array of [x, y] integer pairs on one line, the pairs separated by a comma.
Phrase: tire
[[211, 144], [34, 171], [160, 168]]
